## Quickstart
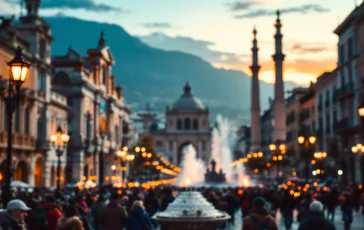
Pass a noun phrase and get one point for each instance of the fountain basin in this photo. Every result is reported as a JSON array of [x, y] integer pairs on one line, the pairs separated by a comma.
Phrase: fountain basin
[[190, 210]]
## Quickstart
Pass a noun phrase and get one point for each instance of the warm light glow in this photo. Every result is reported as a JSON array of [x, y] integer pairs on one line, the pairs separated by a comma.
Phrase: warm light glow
[[143, 149], [313, 162], [275, 158], [144, 154], [294, 173], [53, 138], [268, 165], [260, 154], [255, 155], [359, 146], [272, 147], [187, 182], [282, 147], [249, 155], [19, 73], [256, 170], [318, 171], [340, 172], [137, 149], [280, 157], [301, 139], [361, 111], [354, 149], [312, 139], [314, 173], [315, 183], [125, 148], [149, 155], [113, 167], [65, 138]]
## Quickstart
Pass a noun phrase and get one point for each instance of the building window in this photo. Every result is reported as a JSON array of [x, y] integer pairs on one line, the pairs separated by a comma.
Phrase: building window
[[116, 135], [103, 75], [159, 144], [195, 124], [88, 126], [170, 123], [179, 124], [170, 143], [40, 128], [350, 47], [26, 120], [341, 54], [187, 123], [42, 81]]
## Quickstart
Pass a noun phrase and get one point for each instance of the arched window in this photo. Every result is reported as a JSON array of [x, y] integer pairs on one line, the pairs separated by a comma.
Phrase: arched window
[[195, 124], [27, 120], [187, 123], [88, 126], [179, 124]]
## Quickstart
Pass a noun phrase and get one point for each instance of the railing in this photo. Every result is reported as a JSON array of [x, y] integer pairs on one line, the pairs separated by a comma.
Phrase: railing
[[58, 98], [20, 140], [345, 91]]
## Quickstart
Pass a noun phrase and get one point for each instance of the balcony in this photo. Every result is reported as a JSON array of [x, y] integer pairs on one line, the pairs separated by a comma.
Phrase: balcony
[[344, 92], [20, 141], [43, 145], [345, 126]]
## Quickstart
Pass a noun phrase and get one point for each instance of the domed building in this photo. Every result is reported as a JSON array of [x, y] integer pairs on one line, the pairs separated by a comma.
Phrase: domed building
[[187, 122]]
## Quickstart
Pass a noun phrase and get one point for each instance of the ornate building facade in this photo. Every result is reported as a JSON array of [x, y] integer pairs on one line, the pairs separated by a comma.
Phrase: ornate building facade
[[187, 122], [99, 116], [40, 110]]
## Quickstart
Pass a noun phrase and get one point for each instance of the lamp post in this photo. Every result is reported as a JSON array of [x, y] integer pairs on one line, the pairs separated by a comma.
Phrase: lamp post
[[125, 158], [18, 72], [319, 156], [357, 149], [307, 143], [59, 142], [278, 150]]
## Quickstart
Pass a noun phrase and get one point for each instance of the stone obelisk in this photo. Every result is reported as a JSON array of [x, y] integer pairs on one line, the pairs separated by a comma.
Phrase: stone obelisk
[[279, 107], [255, 101]]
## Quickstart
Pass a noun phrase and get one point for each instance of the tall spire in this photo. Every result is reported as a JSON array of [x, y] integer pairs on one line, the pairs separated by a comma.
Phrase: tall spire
[[102, 39], [255, 98], [279, 106], [187, 88]]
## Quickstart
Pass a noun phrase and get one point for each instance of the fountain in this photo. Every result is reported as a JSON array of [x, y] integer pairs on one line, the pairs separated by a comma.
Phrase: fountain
[[223, 139], [211, 176], [190, 210]]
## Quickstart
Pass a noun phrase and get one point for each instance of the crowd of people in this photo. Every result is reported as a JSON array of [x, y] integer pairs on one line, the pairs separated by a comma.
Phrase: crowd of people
[[132, 209]]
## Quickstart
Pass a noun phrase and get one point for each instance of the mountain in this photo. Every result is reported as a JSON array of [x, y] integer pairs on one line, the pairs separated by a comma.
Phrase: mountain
[[150, 75]]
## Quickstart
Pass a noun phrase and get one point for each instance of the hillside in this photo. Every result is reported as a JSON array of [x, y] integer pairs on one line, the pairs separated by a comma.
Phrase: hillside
[[157, 76]]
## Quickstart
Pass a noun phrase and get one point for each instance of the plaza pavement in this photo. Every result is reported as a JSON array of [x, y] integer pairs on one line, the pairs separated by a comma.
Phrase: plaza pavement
[[358, 223]]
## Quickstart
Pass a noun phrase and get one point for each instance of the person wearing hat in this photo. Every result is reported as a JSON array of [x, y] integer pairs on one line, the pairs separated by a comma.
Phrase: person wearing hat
[[316, 218], [259, 217], [14, 216]]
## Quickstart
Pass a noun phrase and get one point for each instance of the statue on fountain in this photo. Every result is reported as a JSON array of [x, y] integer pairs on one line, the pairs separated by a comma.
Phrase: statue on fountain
[[211, 176]]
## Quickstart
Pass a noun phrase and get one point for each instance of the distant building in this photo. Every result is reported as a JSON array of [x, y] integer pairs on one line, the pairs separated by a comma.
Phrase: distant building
[[187, 122]]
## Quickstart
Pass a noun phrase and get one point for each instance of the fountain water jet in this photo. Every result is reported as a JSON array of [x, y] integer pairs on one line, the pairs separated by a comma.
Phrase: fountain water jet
[[223, 140], [192, 169]]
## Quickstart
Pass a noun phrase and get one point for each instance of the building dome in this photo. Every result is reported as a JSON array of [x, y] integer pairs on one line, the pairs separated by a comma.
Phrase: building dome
[[187, 102]]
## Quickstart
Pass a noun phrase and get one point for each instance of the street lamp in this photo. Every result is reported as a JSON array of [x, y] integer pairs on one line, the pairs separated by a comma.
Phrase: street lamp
[[18, 72], [307, 143], [59, 141], [277, 151]]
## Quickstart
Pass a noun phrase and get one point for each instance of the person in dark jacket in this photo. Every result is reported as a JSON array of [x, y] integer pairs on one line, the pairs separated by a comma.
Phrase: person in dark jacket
[[14, 216], [96, 208], [113, 215], [138, 218], [259, 217], [167, 199], [286, 207], [316, 218]]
